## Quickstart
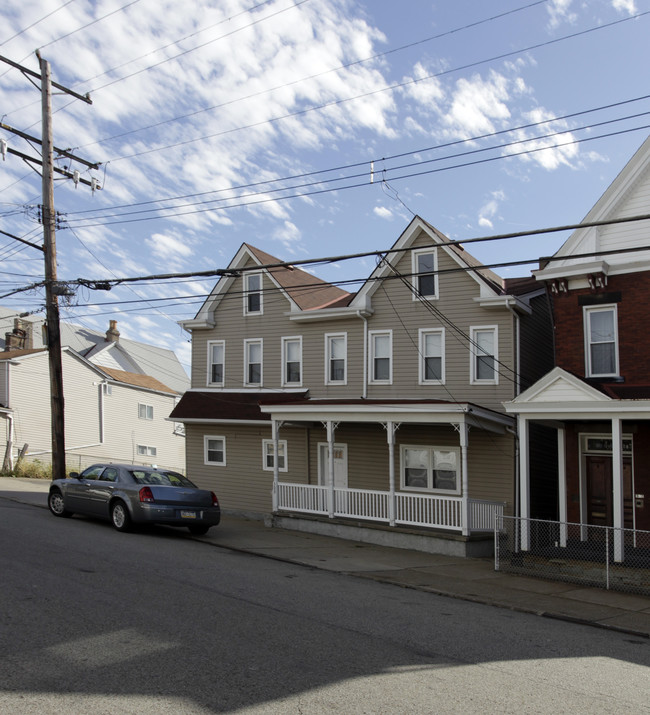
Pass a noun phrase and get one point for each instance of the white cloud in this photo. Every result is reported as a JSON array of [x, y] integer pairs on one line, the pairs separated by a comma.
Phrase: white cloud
[[383, 212], [477, 103], [628, 6], [489, 210], [168, 248], [559, 11]]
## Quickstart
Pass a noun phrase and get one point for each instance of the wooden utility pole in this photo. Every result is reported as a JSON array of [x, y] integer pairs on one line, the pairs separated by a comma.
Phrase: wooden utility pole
[[52, 288], [51, 298]]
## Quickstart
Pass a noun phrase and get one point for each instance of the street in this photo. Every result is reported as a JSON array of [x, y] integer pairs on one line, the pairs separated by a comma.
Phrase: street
[[96, 621]]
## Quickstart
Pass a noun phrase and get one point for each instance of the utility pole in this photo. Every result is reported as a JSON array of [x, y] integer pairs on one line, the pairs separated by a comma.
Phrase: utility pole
[[51, 299], [52, 287]]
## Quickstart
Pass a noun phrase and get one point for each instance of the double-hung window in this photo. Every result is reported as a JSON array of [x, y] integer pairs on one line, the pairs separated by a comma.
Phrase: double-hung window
[[336, 358], [381, 356], [253, 293], [433, 469], [268, 455], [425, 277], [253, 362], [145, 412], [214, 450], [216, 362], [432, 356], [291, 361], [484, 355], [601, 341], [144, 450]]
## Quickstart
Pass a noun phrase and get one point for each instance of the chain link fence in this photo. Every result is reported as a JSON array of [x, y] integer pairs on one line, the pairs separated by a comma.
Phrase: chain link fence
[[602, 556]]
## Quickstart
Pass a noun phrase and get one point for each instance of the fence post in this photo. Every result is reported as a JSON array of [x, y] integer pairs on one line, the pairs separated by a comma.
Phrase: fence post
[[607, 558]]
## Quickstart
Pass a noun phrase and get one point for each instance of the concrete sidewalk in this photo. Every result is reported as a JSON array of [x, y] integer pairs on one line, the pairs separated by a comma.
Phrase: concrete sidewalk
[[468, 579]]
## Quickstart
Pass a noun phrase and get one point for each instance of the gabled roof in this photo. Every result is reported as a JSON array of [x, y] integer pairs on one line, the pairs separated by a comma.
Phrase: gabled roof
[[490, 282], [303, 291], [160, 363], [625, 197], [130, 378]]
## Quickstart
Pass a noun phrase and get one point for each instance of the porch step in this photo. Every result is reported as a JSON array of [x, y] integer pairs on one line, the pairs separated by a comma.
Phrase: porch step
[[431, 541]]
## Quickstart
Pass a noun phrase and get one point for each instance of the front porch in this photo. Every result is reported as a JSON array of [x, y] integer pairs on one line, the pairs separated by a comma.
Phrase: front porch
[[393, 508]]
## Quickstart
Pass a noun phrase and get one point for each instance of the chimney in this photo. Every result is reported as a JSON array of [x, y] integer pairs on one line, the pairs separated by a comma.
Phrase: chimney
[[112, 334], [21, 336]]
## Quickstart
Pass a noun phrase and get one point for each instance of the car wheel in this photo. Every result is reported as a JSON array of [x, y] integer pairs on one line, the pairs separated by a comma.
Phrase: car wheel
[[120, 517], [198, 530], [57, 505]]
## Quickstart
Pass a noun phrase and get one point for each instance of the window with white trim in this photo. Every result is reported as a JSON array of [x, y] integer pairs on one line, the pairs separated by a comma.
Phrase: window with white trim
[[336, 358], [268, 452], [253, 362], [145, 412], [216, 362], [381, 356], [431, 469], [484, 351], [425, 277], [601, 341], [432, 356], [253, 294], [144, 450], [291, 361], [214, 450]]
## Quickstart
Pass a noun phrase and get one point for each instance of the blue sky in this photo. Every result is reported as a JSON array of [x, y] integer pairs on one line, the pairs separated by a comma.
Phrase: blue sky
[[211, 121]]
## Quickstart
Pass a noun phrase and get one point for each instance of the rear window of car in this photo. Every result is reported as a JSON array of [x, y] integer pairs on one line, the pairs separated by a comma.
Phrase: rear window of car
[[169, 479]]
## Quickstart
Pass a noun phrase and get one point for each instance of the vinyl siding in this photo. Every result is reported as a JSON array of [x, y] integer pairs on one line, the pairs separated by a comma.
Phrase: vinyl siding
[[242, 484], [123, 430]]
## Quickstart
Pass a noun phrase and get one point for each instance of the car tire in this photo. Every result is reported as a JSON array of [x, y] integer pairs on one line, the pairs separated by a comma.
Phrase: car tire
[[57, 505], [198, 530], [120, 517]]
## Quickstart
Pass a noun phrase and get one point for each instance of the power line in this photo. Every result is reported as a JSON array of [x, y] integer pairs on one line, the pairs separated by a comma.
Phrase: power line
[[157, 209], [317, 75], [367, 183], [36, 22], [392, 87]]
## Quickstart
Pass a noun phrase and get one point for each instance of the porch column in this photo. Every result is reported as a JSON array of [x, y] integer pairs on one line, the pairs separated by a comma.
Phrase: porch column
[[617, 484], [561, 484], [390, 436], [464, 439], [524, 484], [330, 469], [275, 428]]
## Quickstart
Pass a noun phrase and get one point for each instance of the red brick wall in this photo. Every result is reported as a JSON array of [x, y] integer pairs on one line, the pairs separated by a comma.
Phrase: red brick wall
[[633, 327]]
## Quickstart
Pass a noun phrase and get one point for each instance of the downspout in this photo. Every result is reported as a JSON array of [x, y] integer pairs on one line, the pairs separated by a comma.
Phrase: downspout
[[364, 391], [10, 442], [517, 350]]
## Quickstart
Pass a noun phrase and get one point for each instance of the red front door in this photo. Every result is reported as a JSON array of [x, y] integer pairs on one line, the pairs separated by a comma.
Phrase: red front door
[[599, 491]]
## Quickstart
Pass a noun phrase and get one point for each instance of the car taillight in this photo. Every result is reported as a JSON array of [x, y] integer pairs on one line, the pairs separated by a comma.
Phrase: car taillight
[[215, 501], [146, 494]]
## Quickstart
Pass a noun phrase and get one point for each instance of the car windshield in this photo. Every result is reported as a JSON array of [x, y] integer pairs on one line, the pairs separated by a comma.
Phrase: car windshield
[[170, 479]]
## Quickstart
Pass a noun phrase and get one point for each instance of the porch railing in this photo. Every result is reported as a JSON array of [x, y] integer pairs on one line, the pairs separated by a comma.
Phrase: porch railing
[[437, 511]]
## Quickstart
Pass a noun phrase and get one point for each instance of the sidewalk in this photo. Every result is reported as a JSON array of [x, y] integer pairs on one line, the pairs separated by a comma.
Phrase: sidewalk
[[468, 579]]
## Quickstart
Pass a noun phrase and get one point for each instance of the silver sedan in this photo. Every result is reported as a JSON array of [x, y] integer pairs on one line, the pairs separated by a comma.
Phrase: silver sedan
[[128, 494]]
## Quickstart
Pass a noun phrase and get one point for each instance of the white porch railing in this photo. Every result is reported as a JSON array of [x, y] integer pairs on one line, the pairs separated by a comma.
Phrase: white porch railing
[[430, 510]]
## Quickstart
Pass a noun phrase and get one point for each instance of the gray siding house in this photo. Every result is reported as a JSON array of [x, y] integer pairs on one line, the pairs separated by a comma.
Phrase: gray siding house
[[376, 411]]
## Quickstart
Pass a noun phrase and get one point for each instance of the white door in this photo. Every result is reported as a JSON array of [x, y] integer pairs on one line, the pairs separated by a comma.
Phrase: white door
[[340, 465]]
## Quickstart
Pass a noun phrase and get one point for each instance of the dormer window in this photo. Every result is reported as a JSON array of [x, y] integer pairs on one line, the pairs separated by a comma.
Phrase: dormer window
[[425, 278], [601, 341], [252, 293]]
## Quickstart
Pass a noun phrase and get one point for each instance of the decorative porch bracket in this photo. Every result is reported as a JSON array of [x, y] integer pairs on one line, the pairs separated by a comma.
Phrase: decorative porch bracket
[[391, 428]]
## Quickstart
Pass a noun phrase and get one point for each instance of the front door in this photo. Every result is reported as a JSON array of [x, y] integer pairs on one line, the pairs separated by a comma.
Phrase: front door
[[599, 491], [340, 465]]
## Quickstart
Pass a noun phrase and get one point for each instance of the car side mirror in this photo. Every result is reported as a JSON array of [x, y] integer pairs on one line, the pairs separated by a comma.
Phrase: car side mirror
[[74, 475]]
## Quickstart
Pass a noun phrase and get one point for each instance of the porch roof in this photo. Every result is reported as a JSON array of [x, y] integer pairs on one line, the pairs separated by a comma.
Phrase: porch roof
[[561, 395], [212, 406], [391, 410]]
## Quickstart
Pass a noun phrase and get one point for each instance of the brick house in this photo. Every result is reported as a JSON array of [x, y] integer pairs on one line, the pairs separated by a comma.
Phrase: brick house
[[597, 398]]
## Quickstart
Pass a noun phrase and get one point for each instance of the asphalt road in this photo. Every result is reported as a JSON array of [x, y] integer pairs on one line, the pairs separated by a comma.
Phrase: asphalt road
[[95, 621]]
